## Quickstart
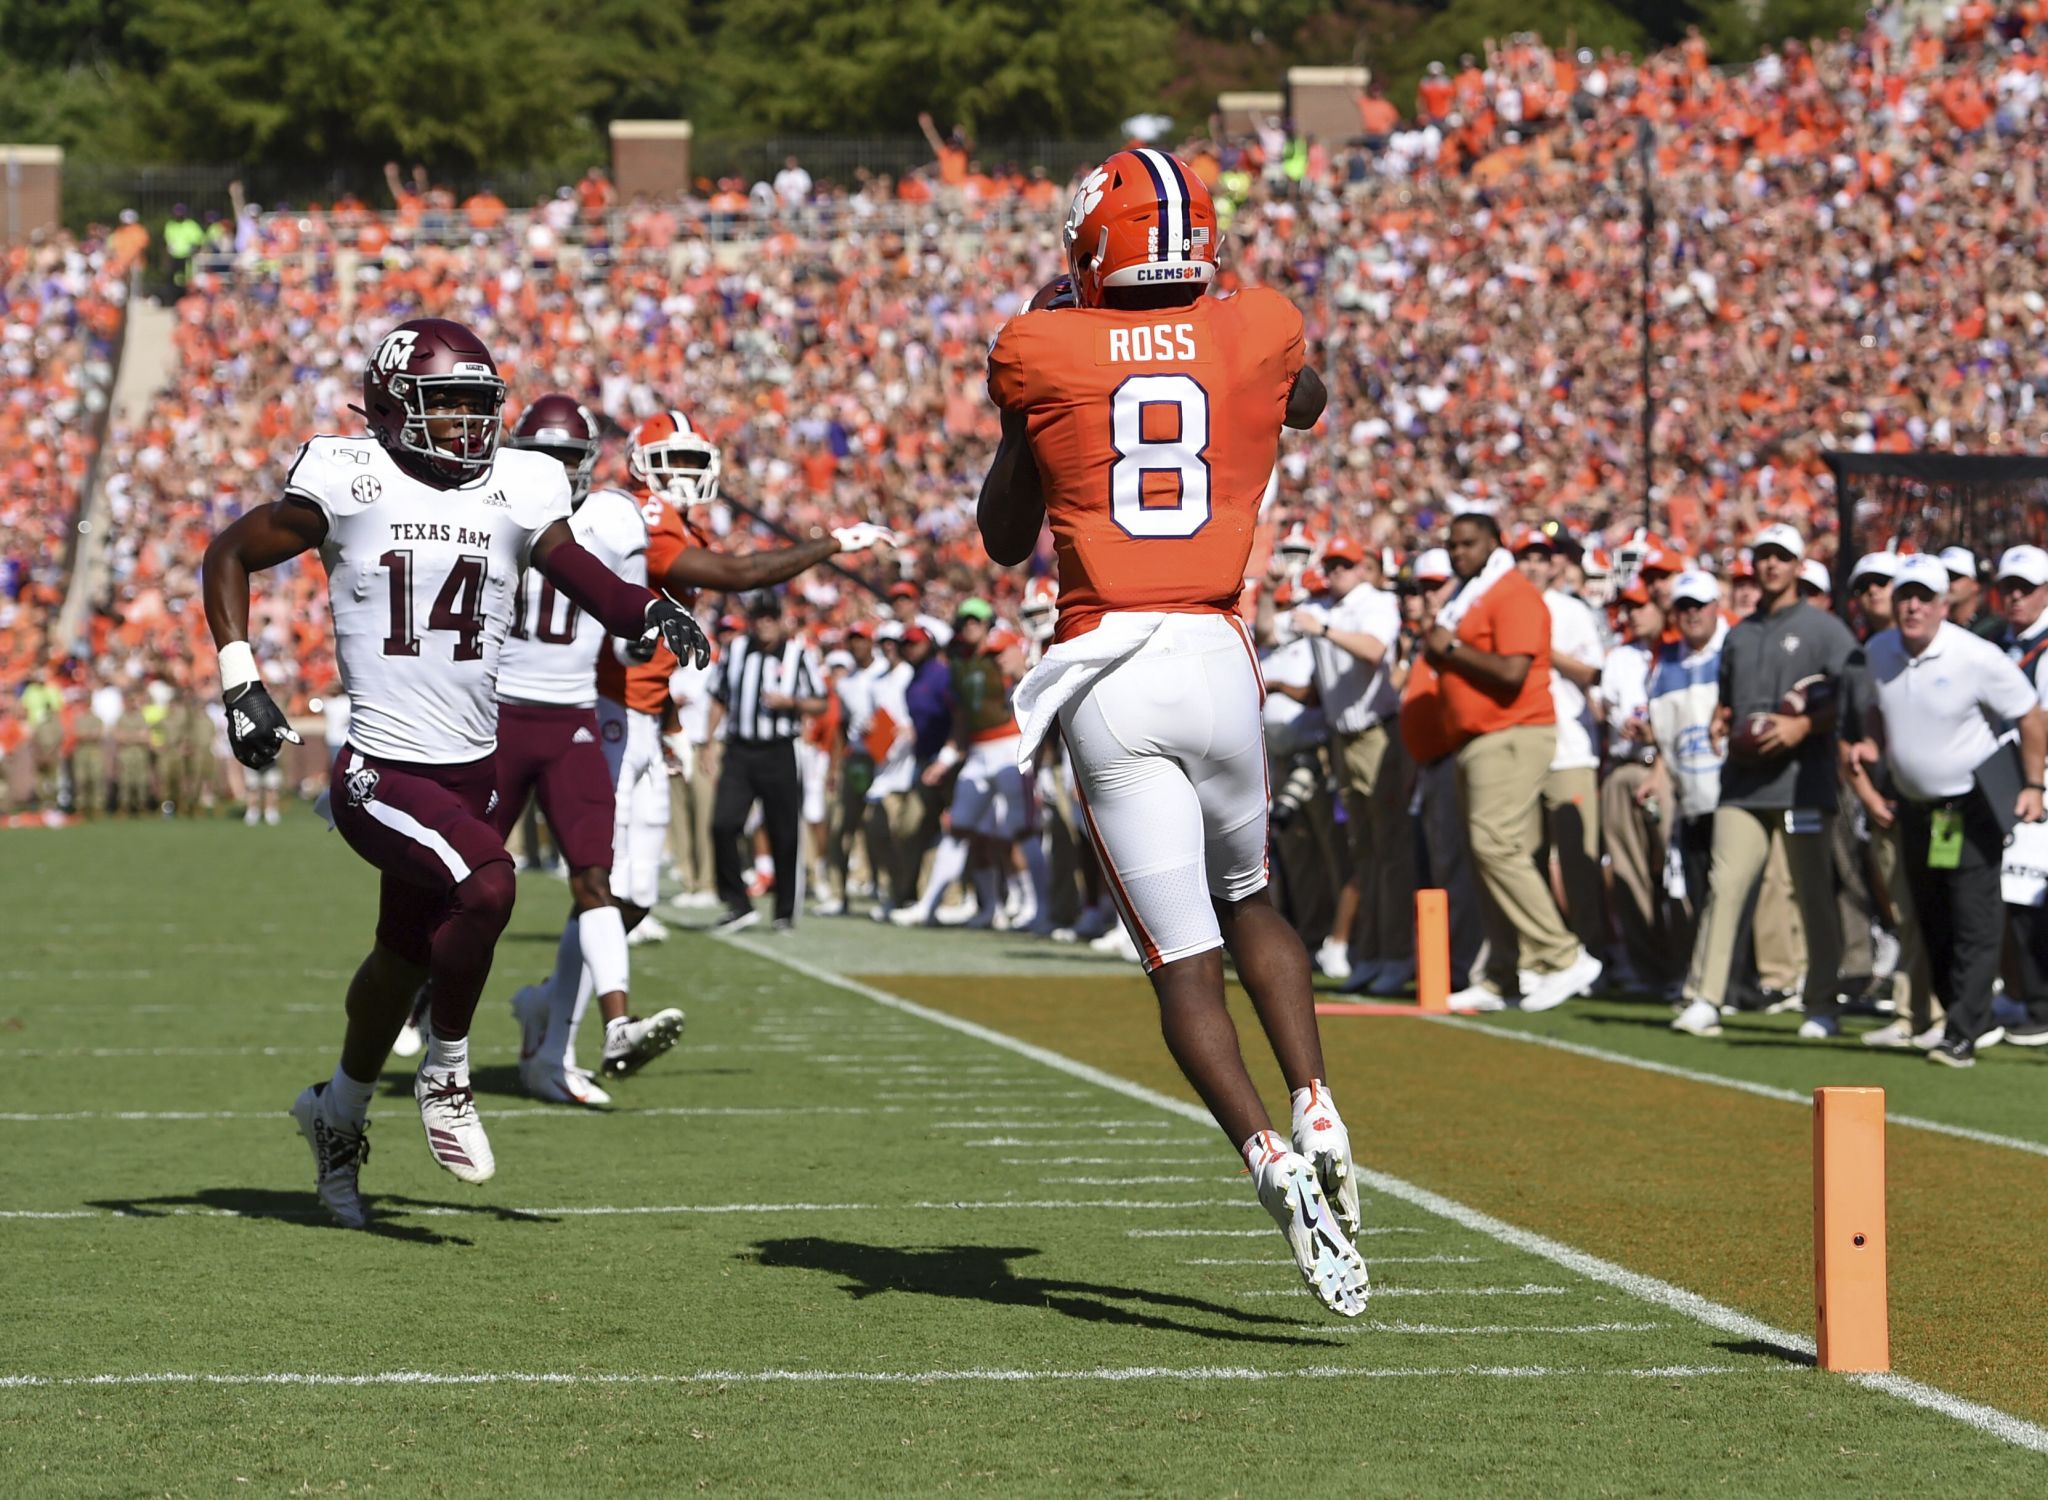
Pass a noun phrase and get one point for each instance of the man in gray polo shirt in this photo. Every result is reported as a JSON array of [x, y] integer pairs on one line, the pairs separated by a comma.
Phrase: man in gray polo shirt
[[1780, 779], [1943, 694]]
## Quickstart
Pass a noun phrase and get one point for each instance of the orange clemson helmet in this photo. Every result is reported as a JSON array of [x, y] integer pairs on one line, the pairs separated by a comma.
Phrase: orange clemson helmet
[[673, 459], [1140, 219]]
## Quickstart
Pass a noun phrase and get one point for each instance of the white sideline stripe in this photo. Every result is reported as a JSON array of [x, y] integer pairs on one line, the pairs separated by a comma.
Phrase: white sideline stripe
[[1101, 1374], [556, 1113], [1060, 1143], [1377, 1260], [1113, 1161], [1233, 1234], [509, 1049], [1530, 1290], [1740, 1085], [2002, 1425], [403, 822], [1151, 1125], [613, 1210], [1135, 1181], [1441, 1329]]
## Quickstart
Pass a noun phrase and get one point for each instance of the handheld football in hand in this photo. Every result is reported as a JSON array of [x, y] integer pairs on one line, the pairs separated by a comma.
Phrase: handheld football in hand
[[1746, 742], [1058, 292]]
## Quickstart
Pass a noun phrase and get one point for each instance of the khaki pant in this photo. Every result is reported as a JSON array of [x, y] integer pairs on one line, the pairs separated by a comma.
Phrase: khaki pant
[[1778, 937], [89, 778], [1500, 788], [905, 813], [1913, 981], [1742, 847], [1853, 902], [1571, 826], [1372, 767], [1636, 852], [1066, 845], [689, 823]]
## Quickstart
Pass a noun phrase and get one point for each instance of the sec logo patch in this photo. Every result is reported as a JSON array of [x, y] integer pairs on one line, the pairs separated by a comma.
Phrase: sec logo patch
[[366, 490]]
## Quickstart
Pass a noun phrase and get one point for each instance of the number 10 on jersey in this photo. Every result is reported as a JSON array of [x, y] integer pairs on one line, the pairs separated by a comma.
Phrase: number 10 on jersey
[[1184, 455]]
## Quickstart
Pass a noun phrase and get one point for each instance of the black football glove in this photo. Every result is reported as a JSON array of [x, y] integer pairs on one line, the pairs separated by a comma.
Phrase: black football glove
[[680, 631], [641, 650], [257, 728]]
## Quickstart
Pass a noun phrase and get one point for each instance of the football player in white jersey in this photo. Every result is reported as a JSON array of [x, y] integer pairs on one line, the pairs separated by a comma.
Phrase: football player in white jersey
[[425, 529], [548, 745], [680, 468]]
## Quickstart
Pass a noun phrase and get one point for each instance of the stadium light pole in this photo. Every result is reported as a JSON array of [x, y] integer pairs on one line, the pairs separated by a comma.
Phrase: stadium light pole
[[1647, 215]]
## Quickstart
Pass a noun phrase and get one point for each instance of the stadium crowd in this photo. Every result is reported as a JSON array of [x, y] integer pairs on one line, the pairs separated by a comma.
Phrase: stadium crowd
[[1847, 250]]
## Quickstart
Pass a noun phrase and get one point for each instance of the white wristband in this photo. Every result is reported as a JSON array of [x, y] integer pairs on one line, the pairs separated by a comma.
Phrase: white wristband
[[949, 757], [237, 667]]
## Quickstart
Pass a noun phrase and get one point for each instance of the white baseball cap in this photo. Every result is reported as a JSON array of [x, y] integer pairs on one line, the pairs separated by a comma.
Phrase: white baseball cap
[[1921, 571], [1433, 566], [1874, 564], [1960, 561], [1781, 536], [1814, 574], [1695, 587], [2026, 563]]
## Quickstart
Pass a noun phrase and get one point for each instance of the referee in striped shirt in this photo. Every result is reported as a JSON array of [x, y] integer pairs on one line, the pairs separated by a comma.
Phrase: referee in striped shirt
[[767, 683]]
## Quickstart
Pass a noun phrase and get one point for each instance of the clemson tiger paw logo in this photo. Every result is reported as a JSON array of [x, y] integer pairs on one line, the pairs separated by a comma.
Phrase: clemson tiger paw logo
[[1085, 198]]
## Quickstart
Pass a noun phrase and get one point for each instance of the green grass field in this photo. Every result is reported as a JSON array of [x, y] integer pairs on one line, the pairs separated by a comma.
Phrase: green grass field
[[951, 1225]]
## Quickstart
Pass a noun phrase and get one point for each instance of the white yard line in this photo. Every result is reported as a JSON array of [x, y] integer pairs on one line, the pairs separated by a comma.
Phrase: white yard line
[[1740, 1085], [1248, 1234], [144, 1210], [1377, 1260], [1530, 1290], [558, 1112], [1714, 1315], [1439, 1330], [1100, 1375]]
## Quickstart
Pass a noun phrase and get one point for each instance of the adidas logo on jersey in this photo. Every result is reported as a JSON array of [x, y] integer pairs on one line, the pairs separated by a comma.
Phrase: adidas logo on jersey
[[582, 736]]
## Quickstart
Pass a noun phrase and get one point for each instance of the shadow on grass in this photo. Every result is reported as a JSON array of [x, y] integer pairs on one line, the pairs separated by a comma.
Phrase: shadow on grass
[[1765, 1349], [982, 1273], [277, 1206]]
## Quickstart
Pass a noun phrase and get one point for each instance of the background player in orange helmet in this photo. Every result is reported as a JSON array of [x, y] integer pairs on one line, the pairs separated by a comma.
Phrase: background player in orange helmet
[[1143, 425], [679, 468]]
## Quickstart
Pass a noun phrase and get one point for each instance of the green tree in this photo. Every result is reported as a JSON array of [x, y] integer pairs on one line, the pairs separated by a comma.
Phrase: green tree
[[347, 83], [1006, 67]]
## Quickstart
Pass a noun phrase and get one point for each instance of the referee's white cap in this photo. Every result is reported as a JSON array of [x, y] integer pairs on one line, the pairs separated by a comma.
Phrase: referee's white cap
[[2027, 563]]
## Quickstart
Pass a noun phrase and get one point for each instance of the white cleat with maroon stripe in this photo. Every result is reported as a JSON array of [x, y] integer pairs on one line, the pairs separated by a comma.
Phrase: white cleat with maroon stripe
[[454, 1133]]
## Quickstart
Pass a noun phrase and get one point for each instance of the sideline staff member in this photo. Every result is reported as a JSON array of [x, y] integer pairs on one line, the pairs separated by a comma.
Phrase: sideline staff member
[[1943, 686], [1782, 784]]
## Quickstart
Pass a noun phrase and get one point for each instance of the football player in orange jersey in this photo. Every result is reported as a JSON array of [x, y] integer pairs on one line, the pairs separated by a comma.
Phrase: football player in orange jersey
[[1143, 425], [679, 469]]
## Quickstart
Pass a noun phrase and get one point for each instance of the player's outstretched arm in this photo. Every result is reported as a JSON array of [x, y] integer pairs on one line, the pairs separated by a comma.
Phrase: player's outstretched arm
[[262, 538], [1011, 511], [624, 609], [1306, 401], [735, 573]]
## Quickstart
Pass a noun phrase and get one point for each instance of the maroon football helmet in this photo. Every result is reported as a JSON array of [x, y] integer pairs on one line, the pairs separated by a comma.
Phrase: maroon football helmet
[[564, 429], [412, 372]]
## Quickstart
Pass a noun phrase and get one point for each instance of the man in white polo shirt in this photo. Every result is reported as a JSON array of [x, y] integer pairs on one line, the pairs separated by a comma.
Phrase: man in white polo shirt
[[2023, 596], [1352, 638], [1942, 691]]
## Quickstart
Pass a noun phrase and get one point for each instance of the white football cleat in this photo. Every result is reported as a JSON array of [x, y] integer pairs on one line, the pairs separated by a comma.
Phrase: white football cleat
[[455, 1135], [530, 1010], [1319, 1135], [412, 1036], [558, 1083], [631, 1043], [650, 930], [1334, 1271], [338, 1155]]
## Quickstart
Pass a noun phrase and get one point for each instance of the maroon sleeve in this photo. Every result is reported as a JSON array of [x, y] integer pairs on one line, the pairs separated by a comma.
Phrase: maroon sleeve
[[620, 606]]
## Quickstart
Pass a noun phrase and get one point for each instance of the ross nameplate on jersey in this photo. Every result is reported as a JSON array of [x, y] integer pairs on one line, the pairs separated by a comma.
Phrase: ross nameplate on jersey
[[1150, 344]]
